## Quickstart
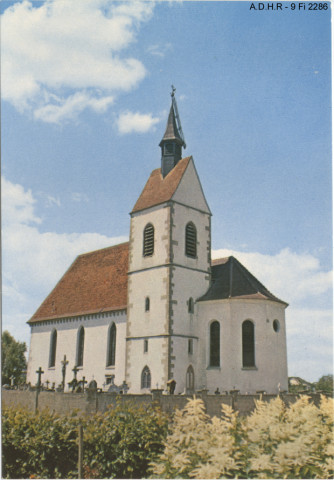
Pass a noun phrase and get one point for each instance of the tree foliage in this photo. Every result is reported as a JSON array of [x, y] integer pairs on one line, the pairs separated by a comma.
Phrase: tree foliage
[[274, 442], [119, 443], [325, 384], [12, 358]]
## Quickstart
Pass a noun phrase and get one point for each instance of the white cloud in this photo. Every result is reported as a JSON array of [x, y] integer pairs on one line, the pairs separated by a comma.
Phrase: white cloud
[[159, 50], [69, 108], [79, 197], [129, 122], [33, 261], [61, 57], [310, 342], [52, 201], [17, 204]]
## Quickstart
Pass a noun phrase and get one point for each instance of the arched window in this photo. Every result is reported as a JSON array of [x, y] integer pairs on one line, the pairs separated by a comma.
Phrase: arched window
[[53, 348], [190, 305], [215, 344], [147, 304], [190, 380], [191, 240], [80, 346], [111, 352], [276, 326], [146, 378], [248, 344], [148, 243]]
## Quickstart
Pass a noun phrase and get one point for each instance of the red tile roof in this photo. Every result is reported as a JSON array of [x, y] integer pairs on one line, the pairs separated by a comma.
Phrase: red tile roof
[[158, 189], [95, 282]]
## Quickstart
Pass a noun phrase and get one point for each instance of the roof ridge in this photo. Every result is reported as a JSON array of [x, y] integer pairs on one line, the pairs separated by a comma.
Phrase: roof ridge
[[103, 248], [219, 261]]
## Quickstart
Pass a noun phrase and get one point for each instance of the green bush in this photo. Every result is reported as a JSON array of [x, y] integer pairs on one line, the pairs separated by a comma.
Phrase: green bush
[[274, 442], [42, 445], [122, 442], [117, 444]]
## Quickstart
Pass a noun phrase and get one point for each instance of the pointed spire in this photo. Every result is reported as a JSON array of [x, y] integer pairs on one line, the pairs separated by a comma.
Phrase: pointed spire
[[172, 132], [172, 141]]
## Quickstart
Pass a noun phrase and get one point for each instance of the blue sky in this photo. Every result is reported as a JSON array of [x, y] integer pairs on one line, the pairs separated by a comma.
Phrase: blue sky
[[85, 98]]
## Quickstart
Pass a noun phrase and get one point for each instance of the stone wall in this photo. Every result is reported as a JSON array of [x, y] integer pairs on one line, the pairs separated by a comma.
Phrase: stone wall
[[89, 403]]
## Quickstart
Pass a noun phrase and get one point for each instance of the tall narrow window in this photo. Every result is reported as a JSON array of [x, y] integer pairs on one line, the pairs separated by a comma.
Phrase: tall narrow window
[[147, 304], [190, 380], [190, 346], [191, 240], [248, 344], [80, 346], [53, 348], [148, 243], [191, 305], [145, 345], [111, 355], [215, 344], [146, 378]]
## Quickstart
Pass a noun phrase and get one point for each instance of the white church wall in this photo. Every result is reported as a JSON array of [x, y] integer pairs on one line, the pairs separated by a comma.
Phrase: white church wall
[[181, 216], [155, 359], [159, 218], [152, 283], [270, 346], [95, 349], [186, 284], [189, 190], [182, 359]]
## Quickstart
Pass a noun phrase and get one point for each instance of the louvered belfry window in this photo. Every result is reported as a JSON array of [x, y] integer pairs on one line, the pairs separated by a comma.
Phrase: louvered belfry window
[[191, 240], [148, 247]]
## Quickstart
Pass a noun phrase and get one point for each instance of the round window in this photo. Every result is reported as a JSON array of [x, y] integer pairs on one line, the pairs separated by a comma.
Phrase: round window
[[276, 325]]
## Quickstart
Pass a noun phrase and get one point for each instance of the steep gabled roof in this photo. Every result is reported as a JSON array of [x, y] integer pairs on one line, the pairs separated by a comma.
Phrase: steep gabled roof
[[95, 282], [230, 279], [158, 189]]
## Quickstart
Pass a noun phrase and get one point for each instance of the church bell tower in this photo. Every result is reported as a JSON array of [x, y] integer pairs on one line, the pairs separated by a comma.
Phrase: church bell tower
[[172, 141], [169, 268]]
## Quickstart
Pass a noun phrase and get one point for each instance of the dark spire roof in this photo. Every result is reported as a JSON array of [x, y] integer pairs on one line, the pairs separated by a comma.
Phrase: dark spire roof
[[172, 132], [230, 279]]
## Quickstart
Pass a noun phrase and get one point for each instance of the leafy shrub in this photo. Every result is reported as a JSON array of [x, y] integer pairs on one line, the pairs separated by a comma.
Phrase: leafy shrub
[[274, 442], [42, 445], [119, 443]]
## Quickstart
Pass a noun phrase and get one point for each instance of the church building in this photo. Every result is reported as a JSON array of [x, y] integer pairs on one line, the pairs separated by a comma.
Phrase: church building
[[158, 308]]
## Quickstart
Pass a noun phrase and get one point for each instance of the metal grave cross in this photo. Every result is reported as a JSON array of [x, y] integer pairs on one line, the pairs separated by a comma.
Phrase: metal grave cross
[[64, 362], [39, 373], [75, 371], [83, 381]]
